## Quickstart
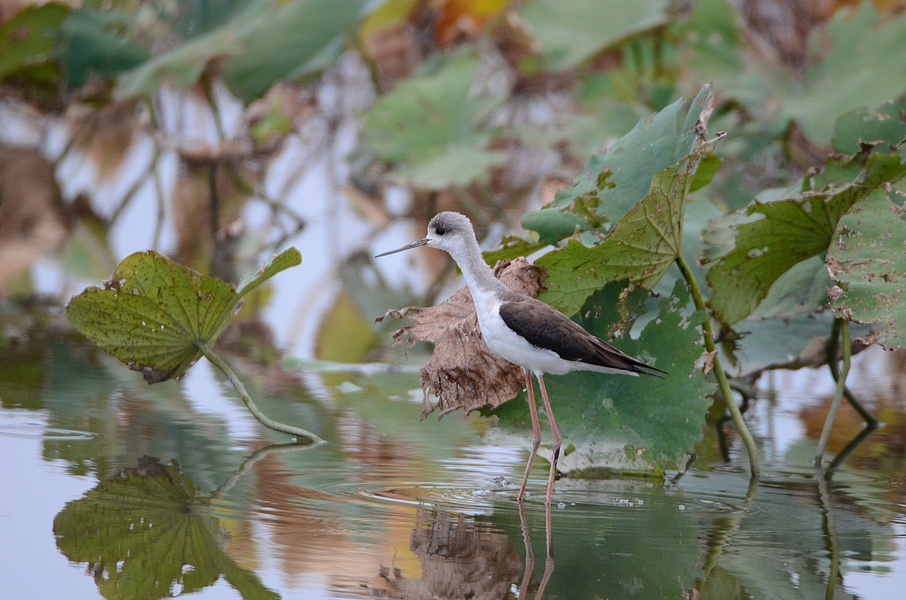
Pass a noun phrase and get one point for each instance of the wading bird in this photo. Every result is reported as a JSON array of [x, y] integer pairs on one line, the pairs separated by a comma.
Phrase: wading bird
[[524, 330]]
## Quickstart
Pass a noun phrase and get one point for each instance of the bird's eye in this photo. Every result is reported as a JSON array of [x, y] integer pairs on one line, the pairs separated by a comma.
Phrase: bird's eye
[[440, 230]]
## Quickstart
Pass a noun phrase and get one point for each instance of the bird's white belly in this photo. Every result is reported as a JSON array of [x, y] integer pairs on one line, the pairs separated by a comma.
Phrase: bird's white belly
[[505, 343]]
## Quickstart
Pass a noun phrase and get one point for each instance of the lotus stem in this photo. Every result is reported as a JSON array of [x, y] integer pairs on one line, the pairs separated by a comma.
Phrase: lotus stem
[[299, 433], [723, 384]]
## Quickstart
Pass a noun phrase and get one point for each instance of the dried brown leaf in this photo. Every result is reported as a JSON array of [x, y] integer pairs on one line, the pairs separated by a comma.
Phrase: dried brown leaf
[[463, 372]]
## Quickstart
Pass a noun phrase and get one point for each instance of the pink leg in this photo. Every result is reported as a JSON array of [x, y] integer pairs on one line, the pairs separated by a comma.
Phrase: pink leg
[[557, 440], [536, 432], [529, 554]]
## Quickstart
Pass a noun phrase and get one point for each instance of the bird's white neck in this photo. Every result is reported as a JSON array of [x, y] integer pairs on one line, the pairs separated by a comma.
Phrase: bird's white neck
[[478, 275]]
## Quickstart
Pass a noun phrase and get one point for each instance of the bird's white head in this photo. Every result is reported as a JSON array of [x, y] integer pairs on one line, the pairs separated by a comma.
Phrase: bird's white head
[[447, 231]]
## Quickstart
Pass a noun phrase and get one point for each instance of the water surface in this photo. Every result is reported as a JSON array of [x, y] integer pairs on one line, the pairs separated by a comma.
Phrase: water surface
[[116, 488]]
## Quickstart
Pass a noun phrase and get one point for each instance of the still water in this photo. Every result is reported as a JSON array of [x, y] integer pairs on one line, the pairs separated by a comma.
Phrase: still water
[[118, 489]]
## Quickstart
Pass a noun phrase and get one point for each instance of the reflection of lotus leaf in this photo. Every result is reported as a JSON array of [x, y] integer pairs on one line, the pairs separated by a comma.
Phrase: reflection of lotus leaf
[[147, 533]]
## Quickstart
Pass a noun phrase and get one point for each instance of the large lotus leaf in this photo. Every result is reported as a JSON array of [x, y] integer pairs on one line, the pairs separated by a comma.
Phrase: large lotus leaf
[[154, 314], [868, 262], [630, 423], [618, 180], [569, 32], [267, 41], [801, 290], [146, 530], [430, 126], [642, 246], [862, 66], [775, 236], [884, 126]]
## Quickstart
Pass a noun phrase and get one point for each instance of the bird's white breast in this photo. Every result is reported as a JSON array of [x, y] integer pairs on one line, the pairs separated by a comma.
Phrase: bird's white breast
[[505, 343]]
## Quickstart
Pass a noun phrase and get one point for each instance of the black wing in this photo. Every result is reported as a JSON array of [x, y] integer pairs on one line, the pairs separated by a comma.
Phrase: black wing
[[545, 327]]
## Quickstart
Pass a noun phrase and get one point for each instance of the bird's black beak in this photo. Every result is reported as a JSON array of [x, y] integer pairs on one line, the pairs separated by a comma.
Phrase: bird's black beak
[[414, 244]]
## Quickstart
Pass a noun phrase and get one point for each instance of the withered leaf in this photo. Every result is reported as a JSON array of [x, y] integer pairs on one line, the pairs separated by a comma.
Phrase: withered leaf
[[463, 372]]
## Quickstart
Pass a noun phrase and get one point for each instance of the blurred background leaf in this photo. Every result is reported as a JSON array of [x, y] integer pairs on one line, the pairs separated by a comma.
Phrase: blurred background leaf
[[453, 150], [264, 42], [572, 31]]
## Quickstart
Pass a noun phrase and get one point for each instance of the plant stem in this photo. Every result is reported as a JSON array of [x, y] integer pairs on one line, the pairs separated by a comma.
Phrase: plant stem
[[299, 433], [838, 393], [726, 392], [832, 345]]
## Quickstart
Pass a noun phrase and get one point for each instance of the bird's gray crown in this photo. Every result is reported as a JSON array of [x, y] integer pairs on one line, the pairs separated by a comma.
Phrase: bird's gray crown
[[449, 222]]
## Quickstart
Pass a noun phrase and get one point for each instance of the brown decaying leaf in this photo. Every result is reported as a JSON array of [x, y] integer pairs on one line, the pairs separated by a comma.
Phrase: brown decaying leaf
[[463, 372]]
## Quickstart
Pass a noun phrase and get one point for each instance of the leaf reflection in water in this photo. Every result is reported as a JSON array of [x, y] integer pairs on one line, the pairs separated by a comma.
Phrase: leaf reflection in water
[[148, 532]]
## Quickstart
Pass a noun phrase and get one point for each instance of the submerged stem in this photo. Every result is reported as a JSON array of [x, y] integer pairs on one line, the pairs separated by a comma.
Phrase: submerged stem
[[726, 392], [262, 418]]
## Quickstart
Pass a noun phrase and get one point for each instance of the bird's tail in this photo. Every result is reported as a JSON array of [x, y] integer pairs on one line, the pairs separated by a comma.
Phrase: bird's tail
[[644, 369]]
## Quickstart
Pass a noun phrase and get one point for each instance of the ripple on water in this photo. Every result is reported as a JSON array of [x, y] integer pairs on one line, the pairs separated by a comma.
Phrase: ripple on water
[[33, 425]]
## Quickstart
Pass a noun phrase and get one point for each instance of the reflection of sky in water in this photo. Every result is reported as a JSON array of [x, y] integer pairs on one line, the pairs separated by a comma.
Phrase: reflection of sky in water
[[863, 578], [870, 374], [35, 491]]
